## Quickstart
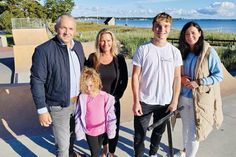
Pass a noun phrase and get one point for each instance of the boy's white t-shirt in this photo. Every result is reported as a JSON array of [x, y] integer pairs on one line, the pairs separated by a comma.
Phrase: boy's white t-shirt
[[157, 72]]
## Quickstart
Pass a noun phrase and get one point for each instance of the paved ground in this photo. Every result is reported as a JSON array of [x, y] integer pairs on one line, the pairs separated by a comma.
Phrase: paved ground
[[221, 143]]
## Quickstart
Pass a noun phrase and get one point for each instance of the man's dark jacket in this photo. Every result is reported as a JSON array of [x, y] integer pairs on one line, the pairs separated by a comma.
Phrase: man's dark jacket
[[50, 73]]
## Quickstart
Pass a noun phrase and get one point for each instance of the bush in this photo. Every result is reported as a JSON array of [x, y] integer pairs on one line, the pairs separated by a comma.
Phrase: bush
[[130, 39], [130, 45], [5, 19], [228, 57]]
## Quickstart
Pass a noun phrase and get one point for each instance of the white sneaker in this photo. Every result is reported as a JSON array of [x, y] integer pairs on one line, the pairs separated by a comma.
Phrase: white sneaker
[[180, 154], [156, 155]]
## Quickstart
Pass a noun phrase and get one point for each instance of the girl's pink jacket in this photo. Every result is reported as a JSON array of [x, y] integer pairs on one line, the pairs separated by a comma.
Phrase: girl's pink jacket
[[80, 125]]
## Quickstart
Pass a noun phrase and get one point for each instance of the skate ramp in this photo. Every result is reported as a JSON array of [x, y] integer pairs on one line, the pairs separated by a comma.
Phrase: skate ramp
[[25, 42], [23, 61], [228, 85], [6, 65], [29, 36], [18, 113], [5, 73]]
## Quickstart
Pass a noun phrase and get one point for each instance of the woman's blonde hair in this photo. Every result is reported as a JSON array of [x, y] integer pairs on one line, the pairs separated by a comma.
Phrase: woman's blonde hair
[[114, 48], [90, 73]]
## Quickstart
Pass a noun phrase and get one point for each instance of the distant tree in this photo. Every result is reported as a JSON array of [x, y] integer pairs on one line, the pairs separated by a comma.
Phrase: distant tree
[[19, 9], [2, 8], [5, 23], [32, 9], [10, 8], [54, 8], [50, 10]]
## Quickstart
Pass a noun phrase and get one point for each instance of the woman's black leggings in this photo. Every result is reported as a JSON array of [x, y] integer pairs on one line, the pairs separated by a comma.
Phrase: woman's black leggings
[[113, 142]]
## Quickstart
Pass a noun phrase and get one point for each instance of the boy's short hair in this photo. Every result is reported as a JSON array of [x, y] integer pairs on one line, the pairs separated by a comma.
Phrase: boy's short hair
[[162, 17]]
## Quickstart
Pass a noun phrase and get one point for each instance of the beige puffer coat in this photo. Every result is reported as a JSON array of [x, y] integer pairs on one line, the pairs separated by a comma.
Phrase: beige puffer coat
[[207, 99]]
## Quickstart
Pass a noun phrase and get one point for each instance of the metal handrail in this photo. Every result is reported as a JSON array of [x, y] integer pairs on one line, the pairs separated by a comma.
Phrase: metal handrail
[[166, 118]]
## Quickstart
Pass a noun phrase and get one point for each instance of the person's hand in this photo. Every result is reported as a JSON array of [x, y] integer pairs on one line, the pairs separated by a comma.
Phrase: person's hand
[[137, 109], [192, 84], [172, 107], [45, 119], [185, 80]]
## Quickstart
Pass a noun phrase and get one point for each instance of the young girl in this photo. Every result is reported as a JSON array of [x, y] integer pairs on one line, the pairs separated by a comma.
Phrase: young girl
[[95, 113]]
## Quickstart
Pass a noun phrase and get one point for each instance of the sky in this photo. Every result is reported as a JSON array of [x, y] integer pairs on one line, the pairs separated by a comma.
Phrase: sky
[[191, 9]]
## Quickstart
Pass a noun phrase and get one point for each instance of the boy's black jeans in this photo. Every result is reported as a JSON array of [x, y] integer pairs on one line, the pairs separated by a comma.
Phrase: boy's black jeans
[[140, 128]]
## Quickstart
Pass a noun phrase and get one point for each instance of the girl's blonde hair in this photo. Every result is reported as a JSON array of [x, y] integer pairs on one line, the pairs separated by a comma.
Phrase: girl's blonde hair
[[90, 73], [114, 48]]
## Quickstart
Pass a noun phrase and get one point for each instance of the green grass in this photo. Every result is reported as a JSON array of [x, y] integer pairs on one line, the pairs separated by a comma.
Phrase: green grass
[[228, 57], [131, 37]]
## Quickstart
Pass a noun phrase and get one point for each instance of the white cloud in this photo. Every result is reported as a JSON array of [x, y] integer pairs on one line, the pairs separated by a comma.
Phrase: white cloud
[[182, 13], [214, 10], [224, 5], [219, 8], [153, 1]]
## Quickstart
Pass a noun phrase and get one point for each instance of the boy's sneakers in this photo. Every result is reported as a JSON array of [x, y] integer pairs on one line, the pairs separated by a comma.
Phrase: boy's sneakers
[[156, 155], [180, 154]]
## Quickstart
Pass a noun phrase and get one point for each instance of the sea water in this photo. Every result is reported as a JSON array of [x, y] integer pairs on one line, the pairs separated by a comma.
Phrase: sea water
[[216, 25]]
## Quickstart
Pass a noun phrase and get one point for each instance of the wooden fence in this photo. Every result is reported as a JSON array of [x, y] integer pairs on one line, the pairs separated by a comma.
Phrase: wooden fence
[[213, 42]]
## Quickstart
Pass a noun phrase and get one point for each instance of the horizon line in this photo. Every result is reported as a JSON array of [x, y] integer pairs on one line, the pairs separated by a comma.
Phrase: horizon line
[[180, 18]]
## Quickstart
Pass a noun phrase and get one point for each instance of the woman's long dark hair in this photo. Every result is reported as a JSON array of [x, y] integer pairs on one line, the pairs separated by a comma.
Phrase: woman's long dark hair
[[184, 46]]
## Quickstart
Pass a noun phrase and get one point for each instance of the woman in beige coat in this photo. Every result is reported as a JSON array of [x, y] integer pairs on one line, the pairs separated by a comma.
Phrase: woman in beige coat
[[200, 93]]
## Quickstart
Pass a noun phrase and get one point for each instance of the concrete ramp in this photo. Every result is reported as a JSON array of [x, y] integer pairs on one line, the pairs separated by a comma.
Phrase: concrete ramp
[[25, 42], [23, 61], [7, 69], [17, 112], [29, 36], [7, 77], [228, 85]]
